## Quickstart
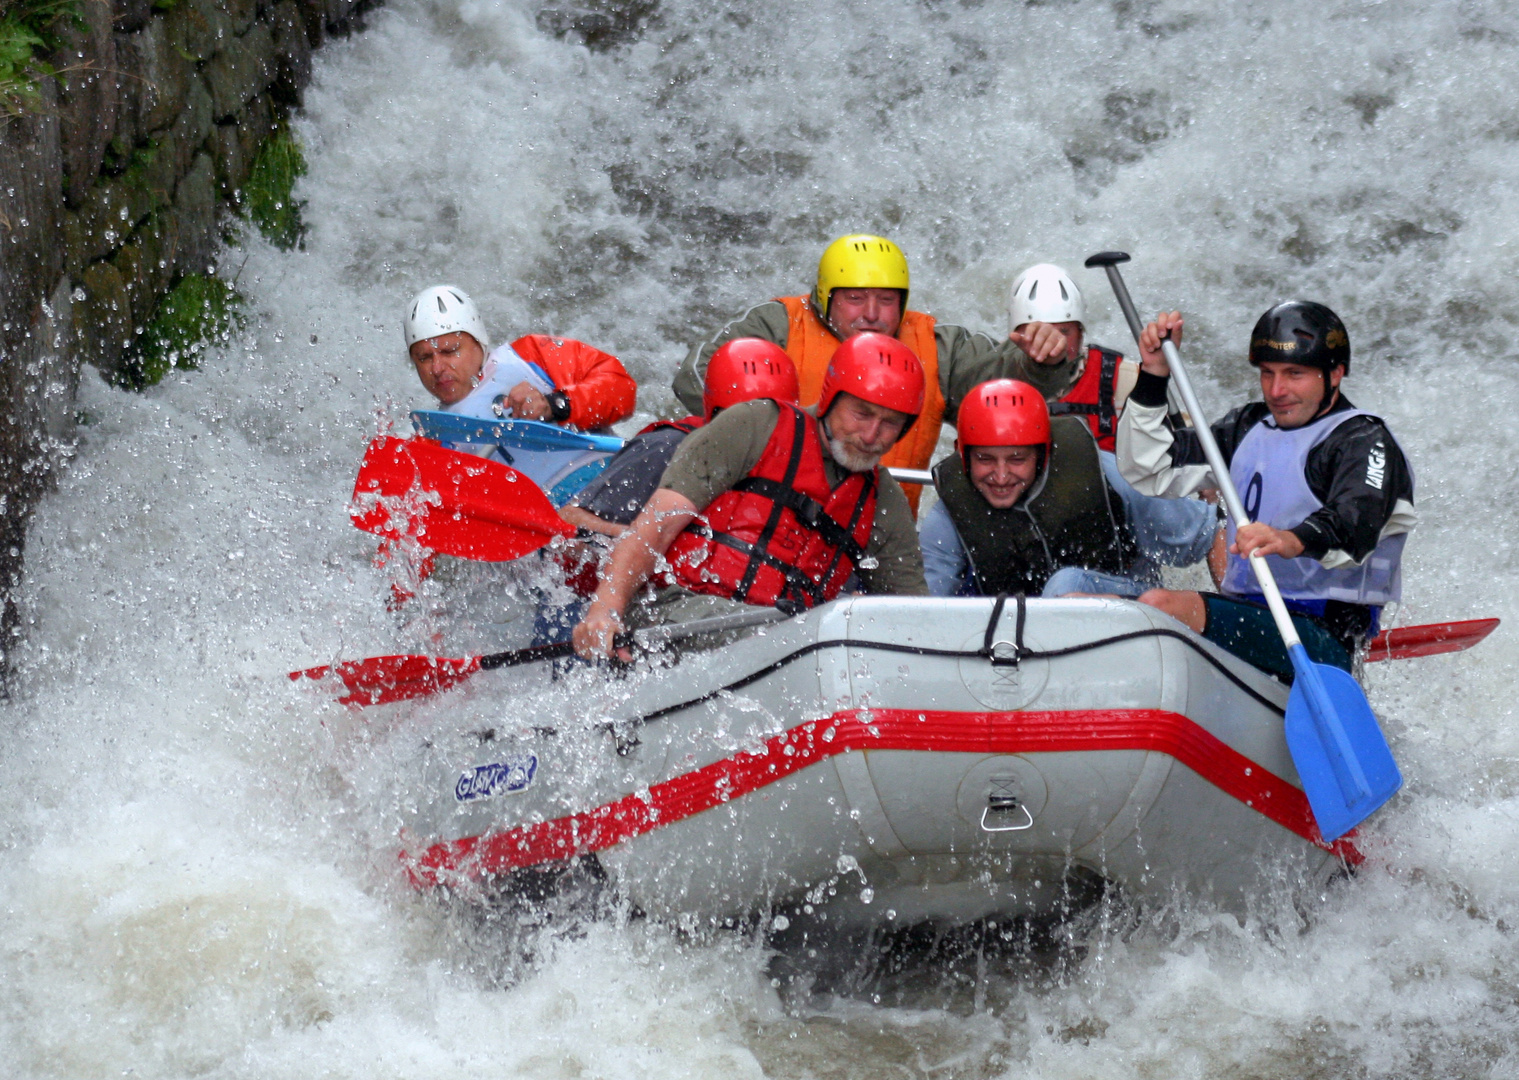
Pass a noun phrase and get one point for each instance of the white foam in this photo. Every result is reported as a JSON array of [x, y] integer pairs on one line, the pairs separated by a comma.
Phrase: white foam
[[198, 873]]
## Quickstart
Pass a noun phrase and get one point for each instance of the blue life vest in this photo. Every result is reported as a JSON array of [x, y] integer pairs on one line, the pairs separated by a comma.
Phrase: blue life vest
[[560, 473], [1270, 470]]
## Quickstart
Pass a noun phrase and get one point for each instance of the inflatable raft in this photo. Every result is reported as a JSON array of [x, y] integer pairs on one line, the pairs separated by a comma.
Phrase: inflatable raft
[[930, 758]]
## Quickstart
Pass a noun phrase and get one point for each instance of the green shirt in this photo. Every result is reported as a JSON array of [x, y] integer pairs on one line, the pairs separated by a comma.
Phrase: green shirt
[[714, 458]]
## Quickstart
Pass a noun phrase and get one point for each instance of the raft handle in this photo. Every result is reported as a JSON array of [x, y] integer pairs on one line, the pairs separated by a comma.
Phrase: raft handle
[[1003, 659], [1001, 804]]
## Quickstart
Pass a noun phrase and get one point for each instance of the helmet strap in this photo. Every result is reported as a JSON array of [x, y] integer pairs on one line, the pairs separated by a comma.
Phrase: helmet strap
[[1331, 395]]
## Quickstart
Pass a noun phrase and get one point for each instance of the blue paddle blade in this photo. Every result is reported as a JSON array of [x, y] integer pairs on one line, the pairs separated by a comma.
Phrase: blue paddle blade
[[513, 434], [1341, 756]]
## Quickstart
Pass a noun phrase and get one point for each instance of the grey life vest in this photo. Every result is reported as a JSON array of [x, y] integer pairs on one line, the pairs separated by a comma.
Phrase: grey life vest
[[1071, 517], [1270, 470]]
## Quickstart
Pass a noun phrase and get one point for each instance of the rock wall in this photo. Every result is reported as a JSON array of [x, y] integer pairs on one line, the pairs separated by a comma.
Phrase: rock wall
[[112, 187]]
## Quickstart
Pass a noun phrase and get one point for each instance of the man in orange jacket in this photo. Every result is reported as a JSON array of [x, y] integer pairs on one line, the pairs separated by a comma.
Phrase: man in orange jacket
[[862, 285]]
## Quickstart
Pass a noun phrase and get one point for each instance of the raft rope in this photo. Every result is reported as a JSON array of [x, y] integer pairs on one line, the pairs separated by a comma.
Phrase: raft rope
[[985, 652]]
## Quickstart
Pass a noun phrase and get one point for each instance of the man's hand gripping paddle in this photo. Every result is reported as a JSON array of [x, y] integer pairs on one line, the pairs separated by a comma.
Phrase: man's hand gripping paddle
[[1341, 756], [455, 503]]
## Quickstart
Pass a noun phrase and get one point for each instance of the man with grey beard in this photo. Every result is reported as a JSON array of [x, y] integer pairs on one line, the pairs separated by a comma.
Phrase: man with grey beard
[[773, 505]]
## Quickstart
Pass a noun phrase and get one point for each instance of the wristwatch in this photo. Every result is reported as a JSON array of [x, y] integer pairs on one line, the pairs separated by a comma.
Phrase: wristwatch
[[559, 406]]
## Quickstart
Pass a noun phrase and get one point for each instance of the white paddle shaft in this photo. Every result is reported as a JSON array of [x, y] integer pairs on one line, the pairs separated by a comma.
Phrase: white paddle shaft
[[1230, 493]]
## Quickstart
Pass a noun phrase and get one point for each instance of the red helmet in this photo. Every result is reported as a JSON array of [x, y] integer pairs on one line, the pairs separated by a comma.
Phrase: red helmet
[[1003, 412], [878, 369], [746, 369]]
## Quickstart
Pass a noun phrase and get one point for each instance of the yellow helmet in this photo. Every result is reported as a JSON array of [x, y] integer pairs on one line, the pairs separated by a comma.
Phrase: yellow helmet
[[860, 261]]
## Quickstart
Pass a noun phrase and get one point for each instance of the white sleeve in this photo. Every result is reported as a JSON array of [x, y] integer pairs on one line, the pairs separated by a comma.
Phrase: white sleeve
[[1143, 448]]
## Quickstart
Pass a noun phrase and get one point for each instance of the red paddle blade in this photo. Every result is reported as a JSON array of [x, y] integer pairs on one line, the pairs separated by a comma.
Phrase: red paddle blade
[[455, 503], [382, 679], [1406, 642]]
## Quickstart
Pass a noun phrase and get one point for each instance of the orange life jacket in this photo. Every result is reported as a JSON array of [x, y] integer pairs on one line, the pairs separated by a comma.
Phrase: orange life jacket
[[1093, 395], [782, 536], [810, 344]]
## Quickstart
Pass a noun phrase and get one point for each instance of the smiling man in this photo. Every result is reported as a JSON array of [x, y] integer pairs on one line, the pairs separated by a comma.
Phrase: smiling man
[[862, 287], [1031, 505], [774, 506], [1328, 490]]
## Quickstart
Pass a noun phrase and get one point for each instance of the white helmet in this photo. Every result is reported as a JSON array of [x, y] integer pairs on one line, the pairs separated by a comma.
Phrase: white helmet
[[444, 309], [1044, 293]]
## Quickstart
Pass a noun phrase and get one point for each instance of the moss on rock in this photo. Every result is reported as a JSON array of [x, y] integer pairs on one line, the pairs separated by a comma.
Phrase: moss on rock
[[27, 28], [199, 311], [267, 193]]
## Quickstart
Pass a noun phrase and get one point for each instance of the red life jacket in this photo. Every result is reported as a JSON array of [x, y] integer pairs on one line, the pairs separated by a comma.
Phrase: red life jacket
[[1092, 396], [781, 537], [687, 424]]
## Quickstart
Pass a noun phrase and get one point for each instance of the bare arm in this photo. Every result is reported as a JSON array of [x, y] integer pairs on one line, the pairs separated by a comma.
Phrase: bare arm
[[637, 552], [582, 518]]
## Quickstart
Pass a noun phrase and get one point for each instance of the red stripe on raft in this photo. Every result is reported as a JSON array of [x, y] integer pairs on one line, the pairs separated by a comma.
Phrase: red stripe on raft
[[879, 729]]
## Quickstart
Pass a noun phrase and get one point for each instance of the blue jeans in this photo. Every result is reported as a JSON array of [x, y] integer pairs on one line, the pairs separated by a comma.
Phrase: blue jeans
[[1073, 579]]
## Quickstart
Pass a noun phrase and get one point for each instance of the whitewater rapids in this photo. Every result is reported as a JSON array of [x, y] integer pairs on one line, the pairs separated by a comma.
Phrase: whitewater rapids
[[198, 875]]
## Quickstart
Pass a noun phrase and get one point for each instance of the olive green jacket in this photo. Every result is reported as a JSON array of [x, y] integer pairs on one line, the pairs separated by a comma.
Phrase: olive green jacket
[[966, 359]]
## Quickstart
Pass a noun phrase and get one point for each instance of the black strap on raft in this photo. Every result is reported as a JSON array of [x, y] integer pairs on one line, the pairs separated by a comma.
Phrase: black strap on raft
[[1106, 409], [989, 643]]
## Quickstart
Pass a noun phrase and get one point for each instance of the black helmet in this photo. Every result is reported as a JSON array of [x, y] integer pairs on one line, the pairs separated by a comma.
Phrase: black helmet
[[1301, 332]]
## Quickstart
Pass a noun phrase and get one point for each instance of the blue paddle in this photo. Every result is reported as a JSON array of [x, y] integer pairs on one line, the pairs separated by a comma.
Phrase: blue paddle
[[536, 435], [513, 434], [1341, 756]]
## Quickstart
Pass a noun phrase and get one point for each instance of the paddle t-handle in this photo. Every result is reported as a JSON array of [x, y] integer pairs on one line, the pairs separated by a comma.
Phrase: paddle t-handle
[[1346, 766]]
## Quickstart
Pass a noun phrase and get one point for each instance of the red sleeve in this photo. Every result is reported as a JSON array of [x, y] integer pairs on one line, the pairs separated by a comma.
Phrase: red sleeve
[[600, 390]]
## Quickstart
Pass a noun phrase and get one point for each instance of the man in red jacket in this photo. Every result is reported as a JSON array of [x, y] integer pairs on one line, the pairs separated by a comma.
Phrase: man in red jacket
[[536, 377]]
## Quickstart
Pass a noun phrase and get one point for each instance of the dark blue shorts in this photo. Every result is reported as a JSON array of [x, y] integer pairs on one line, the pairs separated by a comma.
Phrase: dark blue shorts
[[1248, 631]]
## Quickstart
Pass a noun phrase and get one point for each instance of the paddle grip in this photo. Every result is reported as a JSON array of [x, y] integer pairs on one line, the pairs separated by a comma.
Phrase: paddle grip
[[1125, 302]]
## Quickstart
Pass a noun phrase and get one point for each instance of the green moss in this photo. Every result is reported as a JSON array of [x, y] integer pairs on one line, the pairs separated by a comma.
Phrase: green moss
[[28, 27], [267, 195], [199, 311]]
